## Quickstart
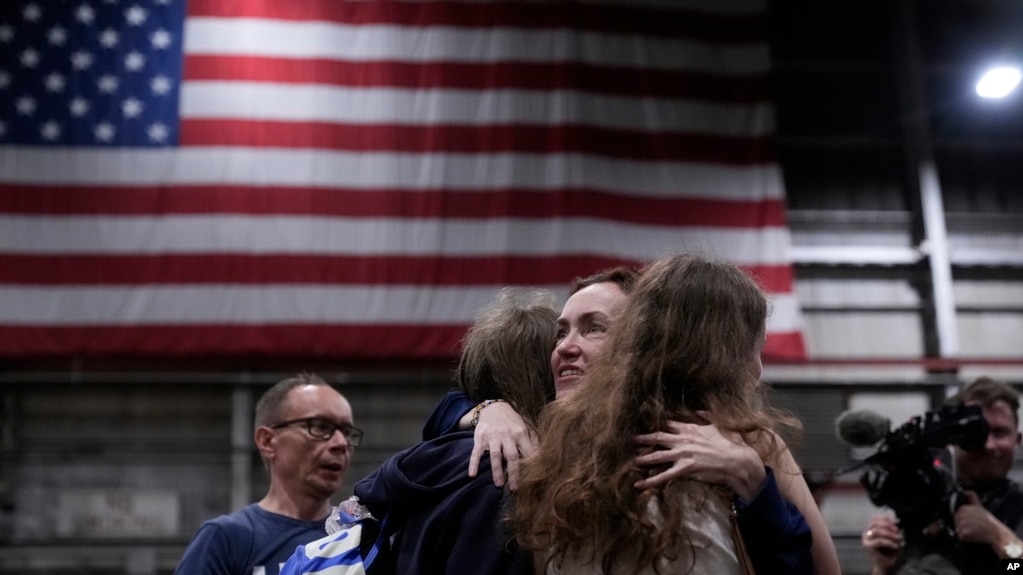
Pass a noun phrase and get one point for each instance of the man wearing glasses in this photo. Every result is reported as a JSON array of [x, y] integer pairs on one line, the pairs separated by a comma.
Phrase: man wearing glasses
[[305, 435]]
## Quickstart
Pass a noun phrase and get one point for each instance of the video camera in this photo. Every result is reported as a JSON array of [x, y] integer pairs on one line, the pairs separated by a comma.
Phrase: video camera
[[906, 473]]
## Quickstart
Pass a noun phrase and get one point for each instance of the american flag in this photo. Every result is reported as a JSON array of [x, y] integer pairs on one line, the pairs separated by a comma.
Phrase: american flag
[[321, 178]]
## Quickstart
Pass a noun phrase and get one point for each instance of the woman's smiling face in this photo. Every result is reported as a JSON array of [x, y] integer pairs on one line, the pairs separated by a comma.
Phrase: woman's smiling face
[[582, 329]]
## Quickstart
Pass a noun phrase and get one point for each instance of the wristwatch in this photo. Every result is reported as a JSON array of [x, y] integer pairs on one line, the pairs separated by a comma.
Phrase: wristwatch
[[1013, 549]]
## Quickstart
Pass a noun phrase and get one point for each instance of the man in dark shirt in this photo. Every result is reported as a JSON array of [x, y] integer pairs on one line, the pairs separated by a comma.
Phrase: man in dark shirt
[[305, 434], [988, 526]]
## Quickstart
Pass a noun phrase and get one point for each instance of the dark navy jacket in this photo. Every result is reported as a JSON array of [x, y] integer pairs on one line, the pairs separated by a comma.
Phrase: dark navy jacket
[[450, 522], [776, 534]]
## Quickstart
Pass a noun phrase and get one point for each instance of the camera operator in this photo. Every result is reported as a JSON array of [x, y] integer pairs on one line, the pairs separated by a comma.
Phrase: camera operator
[[988, 523]]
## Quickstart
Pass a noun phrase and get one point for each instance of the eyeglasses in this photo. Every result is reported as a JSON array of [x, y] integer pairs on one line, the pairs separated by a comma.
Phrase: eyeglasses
[[324, 429]]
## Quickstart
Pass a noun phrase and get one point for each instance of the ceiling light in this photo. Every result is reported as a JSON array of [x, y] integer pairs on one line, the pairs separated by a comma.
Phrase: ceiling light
[[998, 82]]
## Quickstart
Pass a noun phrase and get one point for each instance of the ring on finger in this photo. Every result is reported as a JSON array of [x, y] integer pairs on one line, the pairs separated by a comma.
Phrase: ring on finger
[[869, 533]]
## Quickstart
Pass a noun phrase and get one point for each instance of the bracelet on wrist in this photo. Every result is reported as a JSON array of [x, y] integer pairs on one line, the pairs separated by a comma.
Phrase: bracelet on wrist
[[479, 408]]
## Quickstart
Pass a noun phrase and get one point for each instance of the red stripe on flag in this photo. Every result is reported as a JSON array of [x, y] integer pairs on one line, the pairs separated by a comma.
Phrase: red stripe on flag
[[648, 21], [495, 138], [784, 346], [306, 341], [341, 202], [481, 139], [244, 269], [489, 76]]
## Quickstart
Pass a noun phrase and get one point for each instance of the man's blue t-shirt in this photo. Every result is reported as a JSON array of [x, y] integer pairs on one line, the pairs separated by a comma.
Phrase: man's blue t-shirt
[[250, 541]]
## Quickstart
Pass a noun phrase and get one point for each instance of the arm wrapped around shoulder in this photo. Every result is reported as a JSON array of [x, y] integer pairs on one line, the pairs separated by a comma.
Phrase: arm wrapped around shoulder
[[776, 534]]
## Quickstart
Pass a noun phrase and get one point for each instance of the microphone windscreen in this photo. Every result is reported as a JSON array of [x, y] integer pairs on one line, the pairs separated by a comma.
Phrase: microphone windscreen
[[861, 428]]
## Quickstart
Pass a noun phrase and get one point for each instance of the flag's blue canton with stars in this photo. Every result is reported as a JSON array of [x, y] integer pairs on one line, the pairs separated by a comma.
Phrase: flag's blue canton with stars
[[90, 73]]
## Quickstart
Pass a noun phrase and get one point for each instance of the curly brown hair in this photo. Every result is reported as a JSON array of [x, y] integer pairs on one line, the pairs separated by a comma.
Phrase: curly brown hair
[[684, 342]]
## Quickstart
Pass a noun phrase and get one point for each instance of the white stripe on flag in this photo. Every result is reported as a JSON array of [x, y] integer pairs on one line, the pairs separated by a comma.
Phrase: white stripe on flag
[[182, 305], [258, 37], [382, 236], [315, 103], [387, 170]]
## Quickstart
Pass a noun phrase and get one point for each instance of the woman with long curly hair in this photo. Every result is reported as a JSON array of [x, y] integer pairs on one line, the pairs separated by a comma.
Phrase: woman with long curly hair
[[686, 347]]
